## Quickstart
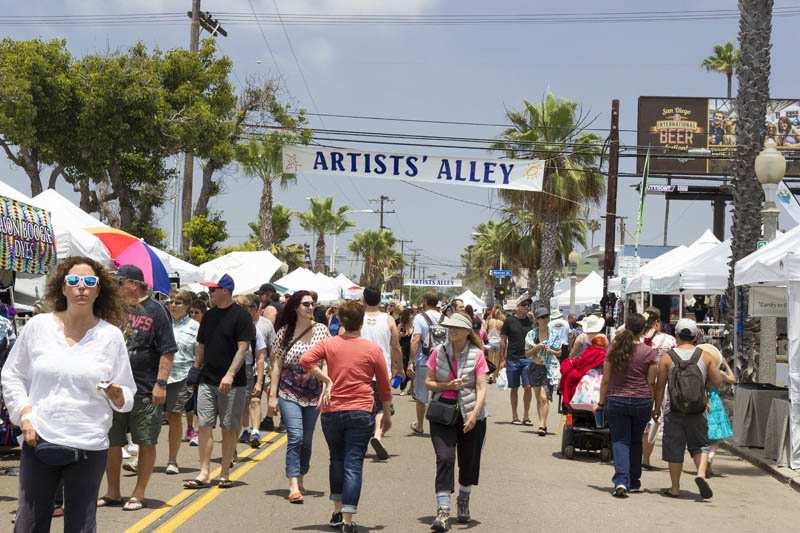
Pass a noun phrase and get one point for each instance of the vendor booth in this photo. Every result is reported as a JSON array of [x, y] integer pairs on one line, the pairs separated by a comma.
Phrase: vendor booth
[[249, 270], [304, 279], [588, 291], [469, 298], [777, 268]]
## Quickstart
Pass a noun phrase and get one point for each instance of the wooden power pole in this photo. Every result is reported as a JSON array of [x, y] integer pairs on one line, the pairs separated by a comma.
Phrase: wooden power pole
[[611, 199], [188, 160]]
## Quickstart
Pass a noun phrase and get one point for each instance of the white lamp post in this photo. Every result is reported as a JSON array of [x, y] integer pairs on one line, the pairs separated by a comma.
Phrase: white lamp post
[[574, 258], [770, 169]]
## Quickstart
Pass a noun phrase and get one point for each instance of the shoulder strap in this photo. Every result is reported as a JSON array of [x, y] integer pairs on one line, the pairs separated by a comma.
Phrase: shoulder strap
[[427, 318], [698, 353], [676, 360], [297, 338]]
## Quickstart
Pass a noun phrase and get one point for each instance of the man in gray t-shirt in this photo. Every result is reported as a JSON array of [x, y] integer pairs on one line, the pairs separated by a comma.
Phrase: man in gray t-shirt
[[420, 348]]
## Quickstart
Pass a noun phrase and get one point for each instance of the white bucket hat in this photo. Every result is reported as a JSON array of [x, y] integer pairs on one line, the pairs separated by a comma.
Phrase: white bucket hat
[[592, 324]]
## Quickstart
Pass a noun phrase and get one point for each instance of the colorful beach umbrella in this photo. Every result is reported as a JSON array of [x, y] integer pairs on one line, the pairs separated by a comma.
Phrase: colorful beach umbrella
[[126, 249], [141, 255]]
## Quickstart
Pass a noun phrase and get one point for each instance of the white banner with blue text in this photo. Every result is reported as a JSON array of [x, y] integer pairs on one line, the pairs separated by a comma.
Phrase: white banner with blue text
[[516, 174]]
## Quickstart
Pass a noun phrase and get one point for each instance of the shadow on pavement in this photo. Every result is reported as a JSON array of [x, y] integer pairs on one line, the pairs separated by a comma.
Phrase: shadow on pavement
[[581, 457], [284, 493], [326, 527], [183, 470], [428, 520]]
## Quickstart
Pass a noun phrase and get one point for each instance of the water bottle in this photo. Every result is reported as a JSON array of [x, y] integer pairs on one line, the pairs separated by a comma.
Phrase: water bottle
[[396, 381]]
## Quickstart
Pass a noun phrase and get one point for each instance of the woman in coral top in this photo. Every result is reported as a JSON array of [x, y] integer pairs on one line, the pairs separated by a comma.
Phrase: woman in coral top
[[346, 405]]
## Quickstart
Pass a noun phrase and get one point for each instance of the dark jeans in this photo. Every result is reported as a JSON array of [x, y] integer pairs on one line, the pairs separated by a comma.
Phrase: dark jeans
[[347, 434], [450, 442], [38, 483], [626, 419]]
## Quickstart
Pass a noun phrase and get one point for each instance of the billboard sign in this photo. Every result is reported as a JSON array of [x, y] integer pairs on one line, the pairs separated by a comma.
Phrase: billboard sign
[[697, 136]]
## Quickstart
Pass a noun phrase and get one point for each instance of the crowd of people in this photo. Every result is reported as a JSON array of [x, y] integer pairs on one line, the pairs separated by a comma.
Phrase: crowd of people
[[97, 376]]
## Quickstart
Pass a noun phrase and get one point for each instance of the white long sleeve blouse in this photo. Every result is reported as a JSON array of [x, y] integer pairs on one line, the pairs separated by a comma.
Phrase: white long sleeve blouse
[[59, 382]]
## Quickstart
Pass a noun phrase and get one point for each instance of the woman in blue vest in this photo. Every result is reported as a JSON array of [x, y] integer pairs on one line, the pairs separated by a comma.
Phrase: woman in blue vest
[[457, 376]]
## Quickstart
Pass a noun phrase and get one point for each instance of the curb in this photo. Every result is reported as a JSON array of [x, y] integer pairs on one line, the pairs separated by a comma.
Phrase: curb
[[792, 481]]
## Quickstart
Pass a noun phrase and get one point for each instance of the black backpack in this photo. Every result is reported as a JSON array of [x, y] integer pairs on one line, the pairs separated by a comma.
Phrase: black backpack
[[687, 386]]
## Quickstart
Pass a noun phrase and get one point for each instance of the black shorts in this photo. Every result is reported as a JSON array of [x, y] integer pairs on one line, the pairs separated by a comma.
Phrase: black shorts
[[538, 375], [377, 403], [681, 433]]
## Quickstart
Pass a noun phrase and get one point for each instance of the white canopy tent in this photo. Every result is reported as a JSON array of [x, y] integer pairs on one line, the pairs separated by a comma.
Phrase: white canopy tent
[[706, 273], [350, 289], [588, 291], [469, 298], [304, 279], [249, 270], [778, 265]]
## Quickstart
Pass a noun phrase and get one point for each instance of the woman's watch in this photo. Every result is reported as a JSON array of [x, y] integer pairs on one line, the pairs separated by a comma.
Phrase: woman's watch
[[161, 383]]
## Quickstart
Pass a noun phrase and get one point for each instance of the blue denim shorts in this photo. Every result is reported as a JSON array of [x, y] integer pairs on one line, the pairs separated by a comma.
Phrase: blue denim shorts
[[421, 392], [517, 371]]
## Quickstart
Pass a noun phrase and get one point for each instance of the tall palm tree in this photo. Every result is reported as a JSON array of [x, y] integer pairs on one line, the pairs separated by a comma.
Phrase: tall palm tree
[[321, 219], [593, 225], [755, 31], [553, 130], [376, 248], [725, 61]]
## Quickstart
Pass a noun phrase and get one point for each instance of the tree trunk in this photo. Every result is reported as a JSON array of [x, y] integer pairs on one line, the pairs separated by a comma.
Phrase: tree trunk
[[208, 189], [265, 232], [319, 259], [54, 174], [755, 30], [30, 164], [549, 254], [126, 210], [729, 75]]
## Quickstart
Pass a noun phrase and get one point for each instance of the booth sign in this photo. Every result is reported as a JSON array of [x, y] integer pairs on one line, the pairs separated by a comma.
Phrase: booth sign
[[767, 301], [27, 237]]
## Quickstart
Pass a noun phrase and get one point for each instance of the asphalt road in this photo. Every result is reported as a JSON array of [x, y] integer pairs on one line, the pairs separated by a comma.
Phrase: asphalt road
[[525, 486]]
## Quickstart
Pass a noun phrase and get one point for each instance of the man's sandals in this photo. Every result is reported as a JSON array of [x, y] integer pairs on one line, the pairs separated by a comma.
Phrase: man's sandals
[[133, 504]]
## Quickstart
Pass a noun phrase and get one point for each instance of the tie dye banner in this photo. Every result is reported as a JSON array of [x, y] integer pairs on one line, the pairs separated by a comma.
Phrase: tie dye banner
[[27, 240]]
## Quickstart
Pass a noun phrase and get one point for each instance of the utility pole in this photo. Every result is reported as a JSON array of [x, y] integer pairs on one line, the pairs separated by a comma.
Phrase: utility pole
[[213, 27], [611, 198], [666, 215], [403, 264], [382, 211]]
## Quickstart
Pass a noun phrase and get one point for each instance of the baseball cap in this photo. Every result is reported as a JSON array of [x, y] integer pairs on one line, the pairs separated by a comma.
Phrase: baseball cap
[[224, 282], [131, 272], [686, 329], [541, 312], [265, 288]]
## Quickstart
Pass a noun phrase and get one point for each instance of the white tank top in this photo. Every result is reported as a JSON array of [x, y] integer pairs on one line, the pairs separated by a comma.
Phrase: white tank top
[[376, 329]]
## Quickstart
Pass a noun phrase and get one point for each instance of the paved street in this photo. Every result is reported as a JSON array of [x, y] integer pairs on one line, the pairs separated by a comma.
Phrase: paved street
[[525, 486]]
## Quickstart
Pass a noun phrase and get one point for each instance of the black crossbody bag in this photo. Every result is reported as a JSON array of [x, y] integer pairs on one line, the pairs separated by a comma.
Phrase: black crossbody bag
[[440, 412]]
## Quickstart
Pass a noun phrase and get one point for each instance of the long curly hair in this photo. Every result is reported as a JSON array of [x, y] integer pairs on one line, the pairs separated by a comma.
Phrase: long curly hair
[[619, 356], [288, 318], [108, 304]]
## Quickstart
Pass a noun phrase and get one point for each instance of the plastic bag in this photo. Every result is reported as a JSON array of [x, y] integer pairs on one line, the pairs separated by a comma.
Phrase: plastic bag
[[587, 394], [502, 380]]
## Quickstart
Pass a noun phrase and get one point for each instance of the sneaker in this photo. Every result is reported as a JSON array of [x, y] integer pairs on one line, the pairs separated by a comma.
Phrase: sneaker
[[620, 492], [172, 469], [194, 441], [188, 436], [462, 505], [336, 520], [267, 424], [442, 521], [352, 527], [244, 438], [255, 439]]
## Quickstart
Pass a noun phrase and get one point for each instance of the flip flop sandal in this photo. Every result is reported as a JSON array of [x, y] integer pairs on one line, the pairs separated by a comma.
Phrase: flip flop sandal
[[668, 494], [527, 422], [380, 451], [194, 484], [296, 497], [705, 490], [516, 421], [543, 431], [224, 483], [105, 501], [415, 429], [133, 504]]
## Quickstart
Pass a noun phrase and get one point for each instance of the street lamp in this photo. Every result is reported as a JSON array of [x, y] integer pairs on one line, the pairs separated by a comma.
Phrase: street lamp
[[574, 259], [770, 169]]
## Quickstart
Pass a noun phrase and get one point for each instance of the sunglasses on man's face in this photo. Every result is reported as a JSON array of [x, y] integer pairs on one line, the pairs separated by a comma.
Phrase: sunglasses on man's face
[[73, 280]]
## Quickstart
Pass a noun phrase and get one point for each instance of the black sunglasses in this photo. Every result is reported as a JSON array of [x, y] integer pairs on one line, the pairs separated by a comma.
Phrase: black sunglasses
[[307, 304]]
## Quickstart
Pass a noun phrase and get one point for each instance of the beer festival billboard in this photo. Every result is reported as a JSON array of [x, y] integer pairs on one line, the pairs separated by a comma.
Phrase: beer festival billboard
[[697, 136]]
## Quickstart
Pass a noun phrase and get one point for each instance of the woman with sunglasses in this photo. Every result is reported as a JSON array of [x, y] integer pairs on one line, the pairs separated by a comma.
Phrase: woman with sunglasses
[[292, 389], [67, 373], [178, 392]]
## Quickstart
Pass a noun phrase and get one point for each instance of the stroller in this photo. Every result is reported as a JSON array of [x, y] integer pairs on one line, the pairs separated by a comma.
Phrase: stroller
[[580, 432]]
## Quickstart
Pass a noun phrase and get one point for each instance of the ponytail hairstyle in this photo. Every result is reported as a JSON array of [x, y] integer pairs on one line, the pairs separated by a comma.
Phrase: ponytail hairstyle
[[651, 315], [619, 356]]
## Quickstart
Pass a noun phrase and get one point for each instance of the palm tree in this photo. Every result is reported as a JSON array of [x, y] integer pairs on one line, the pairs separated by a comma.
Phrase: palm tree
[[755, 31], [262, 157], [725, 60], [321, 219], [553, 131], [376, 248], [593, 225]]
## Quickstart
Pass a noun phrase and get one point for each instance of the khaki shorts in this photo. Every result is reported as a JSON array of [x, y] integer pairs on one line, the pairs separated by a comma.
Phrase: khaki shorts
[[143, 423], [229, 408]]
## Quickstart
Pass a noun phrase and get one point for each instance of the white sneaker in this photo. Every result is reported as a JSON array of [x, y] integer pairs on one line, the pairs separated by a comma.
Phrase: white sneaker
[[172, 469]]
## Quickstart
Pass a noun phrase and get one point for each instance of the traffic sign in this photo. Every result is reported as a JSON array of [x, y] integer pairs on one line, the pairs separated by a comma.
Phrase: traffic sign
[[500, 274], [760, 243]]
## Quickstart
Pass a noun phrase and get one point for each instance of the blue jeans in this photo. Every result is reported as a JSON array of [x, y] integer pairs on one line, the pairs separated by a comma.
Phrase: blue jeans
[[299, 422], [347, 434], [626, 419]]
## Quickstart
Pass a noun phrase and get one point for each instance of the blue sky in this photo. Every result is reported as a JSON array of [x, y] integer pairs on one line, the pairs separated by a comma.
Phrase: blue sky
[[459, 73]]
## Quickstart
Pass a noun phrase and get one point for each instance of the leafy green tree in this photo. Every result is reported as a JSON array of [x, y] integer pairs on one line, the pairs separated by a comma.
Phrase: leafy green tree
[[205, 234], [376, 248], [38, 107], [262, 156], [725, 60], [321, 219], [554, 132]]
